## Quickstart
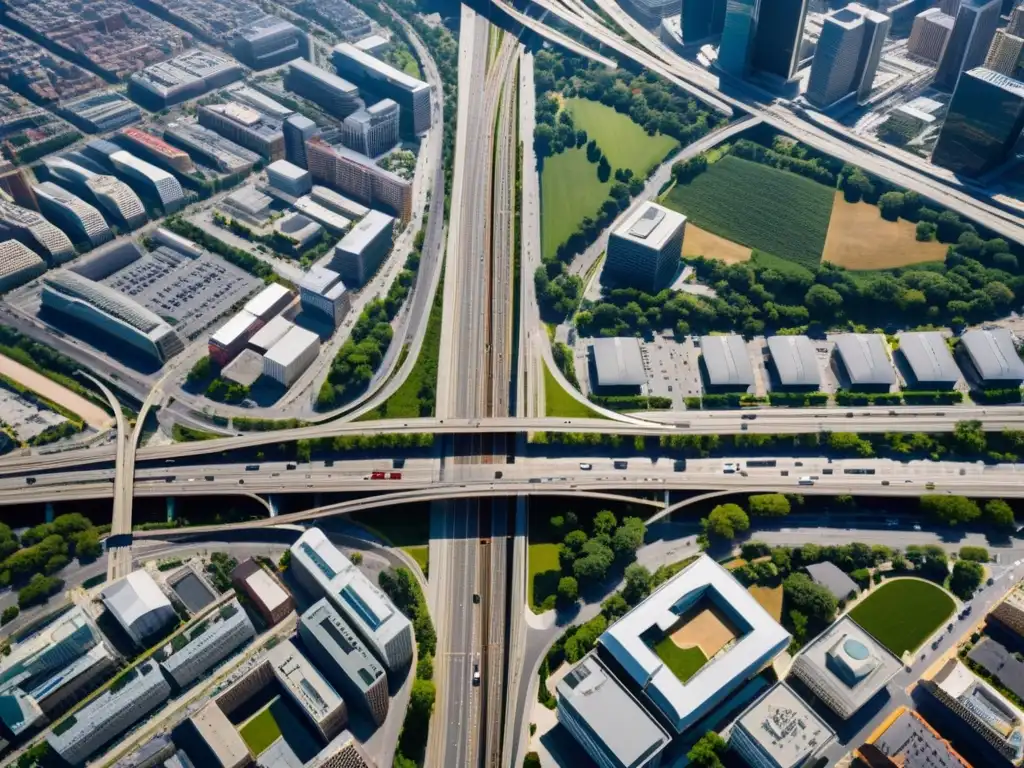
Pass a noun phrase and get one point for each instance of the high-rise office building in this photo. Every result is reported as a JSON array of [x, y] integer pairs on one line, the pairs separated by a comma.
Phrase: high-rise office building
[[949, 7], [738, 32], [374, 76], [972, 34], [702, 19], [780, 27], [1004, 56], [337, 96], [374, 130], [644, 252], [1016, 25], [269, 42], [298, 129], [929, 35], [985, 119], [361, 252], [651, 12], [847, 56]]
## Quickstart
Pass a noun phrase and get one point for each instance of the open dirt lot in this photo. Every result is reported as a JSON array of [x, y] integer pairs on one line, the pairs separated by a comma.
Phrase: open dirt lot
[[708, 629], [769, 598], [859, 238], [93, 415], [699, 242]]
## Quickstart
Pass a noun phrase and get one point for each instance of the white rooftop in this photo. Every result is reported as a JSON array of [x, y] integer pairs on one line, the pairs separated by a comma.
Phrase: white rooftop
[[783, 727], [266, 587], [262, 302], [651, 225], [133, 597], [270, 333], [291, 346], [286, 169], [237, 326]]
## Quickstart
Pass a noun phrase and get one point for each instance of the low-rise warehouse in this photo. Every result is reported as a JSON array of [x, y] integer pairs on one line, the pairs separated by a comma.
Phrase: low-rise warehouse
[[929, 360], [303, 232], [206, 643], [18, 265], [338, 203], [616, 365], [230, 338], [265, 591], [794, 362], [270, 334], [139, 606], [269, 302], [864, 360], [322, 215], [993, 358], [727, 365], [291, 355]]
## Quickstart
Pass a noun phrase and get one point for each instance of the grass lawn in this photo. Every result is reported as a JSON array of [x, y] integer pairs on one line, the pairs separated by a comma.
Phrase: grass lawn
[[859, 238], [545, 571], [260, 732], [684, 662], [420, 553], [901, 614], [769, 598], [625, 144], [758, 206], [569, 191], [558, 402]]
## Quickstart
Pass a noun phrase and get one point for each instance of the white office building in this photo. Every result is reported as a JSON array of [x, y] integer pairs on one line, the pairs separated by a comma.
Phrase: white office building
[[163, 185], [362, 251], [291, 355], [18, 265], [206, 643], [779, 731], [32, 230], [646, 250], [73, 214], [323, 292], [289, 178], [111, 194]]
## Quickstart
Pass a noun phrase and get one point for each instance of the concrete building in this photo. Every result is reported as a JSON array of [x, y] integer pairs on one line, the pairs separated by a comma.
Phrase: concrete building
[[289, 178], [301, 230], [927, 356], [701, 20], [616, 365], [831, 577], [794, 362], [105, 309], [702, 585], [726, 363], [929, 35], [343, 752], [72, 214], [360, 177], [779, 731], [184, 77], [322, 291], [1016, 24], [973, 29], [248, 203], [291, 355], [1009, 614], [110, 714], [102, 112], [374, 130], [259, 101], [1005, 54], [845, 667], [111, 195], [183, 245], [269, 302], [983, 124], [650, 12], [905, 739], [993, 358], [330, 199], [606, 719], [847, 56], [298, 129], [198, 649], [270, 334], [158, 149], [645, 251], [269, 42], [864, 359], [979, 712], [18, 265], [337, 97], [361, 252], [231, 338], [157, 182], [375, 45], [375, 77], [325, 217], [344, 659], [264, 589], [301, 682], [211, 148], [33, 231], [139, 606], [246, 127], [324, 571], [220, 737]]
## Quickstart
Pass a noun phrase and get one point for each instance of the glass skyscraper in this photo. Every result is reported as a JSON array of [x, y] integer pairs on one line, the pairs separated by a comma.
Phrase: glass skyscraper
[[702, 19], [985, 120], [780, 29], [973, 30], [738, 35]]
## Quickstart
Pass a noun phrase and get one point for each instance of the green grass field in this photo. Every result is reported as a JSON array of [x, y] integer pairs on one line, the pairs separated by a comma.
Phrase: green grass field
[[261, 731], [558, 402], [759, 207], [545, 571], [569, 191], [684, 662], [625, 144], [421, 554], [903, 613]]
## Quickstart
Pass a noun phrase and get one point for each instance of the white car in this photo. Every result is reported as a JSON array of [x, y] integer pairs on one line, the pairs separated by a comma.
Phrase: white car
[[730, 467], [805, 480], [586, 467]]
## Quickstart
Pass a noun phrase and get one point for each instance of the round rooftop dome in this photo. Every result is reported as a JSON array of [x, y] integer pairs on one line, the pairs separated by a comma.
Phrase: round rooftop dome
[[855, 649]]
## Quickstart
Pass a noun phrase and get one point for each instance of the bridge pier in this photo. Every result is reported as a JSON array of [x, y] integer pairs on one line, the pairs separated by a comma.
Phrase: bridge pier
[[49, 512], [170, 510], [272, 500]]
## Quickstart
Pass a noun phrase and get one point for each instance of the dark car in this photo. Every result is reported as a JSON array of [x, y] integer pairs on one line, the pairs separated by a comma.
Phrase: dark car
[[398, 463], [621, 464], [679, 465]]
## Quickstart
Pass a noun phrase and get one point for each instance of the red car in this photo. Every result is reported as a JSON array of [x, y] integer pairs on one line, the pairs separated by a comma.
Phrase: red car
[[394, 475], [378, 475]]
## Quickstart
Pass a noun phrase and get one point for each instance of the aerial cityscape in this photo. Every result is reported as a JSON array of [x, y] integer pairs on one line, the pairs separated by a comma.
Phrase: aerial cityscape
[[617, 383]]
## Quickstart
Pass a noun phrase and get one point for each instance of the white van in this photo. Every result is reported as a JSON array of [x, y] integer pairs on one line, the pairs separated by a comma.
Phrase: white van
[[805, 480]]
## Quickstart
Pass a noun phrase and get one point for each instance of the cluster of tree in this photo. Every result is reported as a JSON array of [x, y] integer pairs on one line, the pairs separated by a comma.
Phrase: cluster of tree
[[45, 549], [708, 751], [557, 295], [807, 607], [9, 614], [966, 577], [220, 567], [201, 372], [224, 390], [632, 402], [56, 432], [238, 257], [564, 359], [39, 589], [789, 156], [956, 510], [728, 521], [41, 148], [798, 399], [403, 589], [247, 424], [555, 131]]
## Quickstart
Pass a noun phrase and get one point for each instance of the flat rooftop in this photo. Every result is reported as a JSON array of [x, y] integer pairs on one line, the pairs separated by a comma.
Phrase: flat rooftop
[[618, 362], [651, 225], [366, 231], [907, 740], [784, 727], [220, 735], [727, 361]]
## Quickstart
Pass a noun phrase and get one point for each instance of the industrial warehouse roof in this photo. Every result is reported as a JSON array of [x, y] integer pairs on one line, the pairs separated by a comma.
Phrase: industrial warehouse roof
[[651, 225], [264, 301], [830, 576], [727, 361], [234, 328], [366, 231], [845, 667], [134, 596], [624, 728], [795, 361], [271, 333], [618, 362], [783, 727], [910, 742], [291, 346], [928, 357], [994, 355], [758, 639], [865, 358], [286, 169]]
